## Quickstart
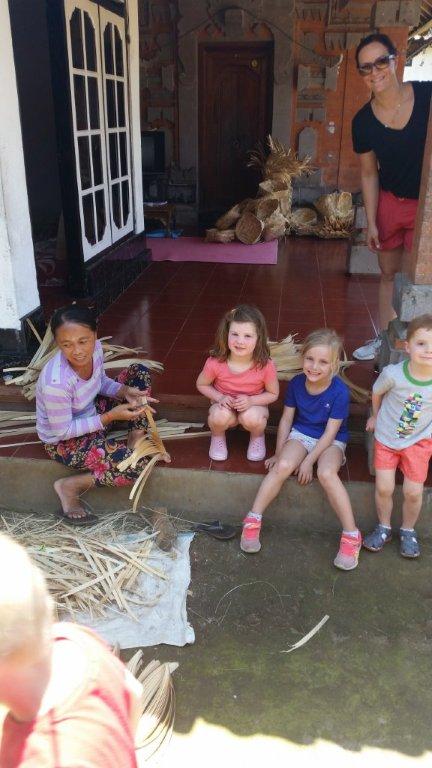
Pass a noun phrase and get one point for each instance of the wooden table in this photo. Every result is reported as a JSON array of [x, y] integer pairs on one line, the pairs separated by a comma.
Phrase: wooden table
[[164, 213]]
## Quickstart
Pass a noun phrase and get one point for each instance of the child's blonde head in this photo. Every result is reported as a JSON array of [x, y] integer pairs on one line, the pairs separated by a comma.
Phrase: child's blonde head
[[26, 612], [423, 321], [244, 313], [325, 337]]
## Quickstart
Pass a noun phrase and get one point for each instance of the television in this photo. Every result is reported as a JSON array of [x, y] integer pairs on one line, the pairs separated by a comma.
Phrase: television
[[153, 151]]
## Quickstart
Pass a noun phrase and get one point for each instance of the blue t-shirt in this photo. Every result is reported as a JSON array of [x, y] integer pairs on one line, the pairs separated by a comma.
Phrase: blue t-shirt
[[313, 411]]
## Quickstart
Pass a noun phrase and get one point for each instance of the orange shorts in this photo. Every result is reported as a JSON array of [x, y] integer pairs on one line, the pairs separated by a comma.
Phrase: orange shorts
[[412, 461], [395, 221]]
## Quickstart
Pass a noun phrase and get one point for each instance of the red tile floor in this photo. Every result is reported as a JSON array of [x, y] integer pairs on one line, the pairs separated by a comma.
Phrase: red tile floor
[[172, 311]]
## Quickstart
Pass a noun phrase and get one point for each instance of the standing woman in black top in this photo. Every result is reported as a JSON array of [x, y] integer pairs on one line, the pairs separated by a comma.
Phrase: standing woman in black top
[[389, 134]]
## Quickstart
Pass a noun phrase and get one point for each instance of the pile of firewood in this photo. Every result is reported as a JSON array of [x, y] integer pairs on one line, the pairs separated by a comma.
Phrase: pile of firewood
[[269, 215]]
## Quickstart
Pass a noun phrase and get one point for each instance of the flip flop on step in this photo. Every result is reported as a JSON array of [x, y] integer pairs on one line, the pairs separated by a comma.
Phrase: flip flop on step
[[216, 529]]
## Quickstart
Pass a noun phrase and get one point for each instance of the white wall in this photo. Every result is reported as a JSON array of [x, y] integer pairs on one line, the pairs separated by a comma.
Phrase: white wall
[[134, 113], [421, 67], [18, 287]]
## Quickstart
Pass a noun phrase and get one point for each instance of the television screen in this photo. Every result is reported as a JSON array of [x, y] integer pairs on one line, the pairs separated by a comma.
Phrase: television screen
[[153, 151]]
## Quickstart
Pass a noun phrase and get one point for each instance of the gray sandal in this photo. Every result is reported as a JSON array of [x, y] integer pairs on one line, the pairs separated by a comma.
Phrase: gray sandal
[[409, 546], [375, 540]]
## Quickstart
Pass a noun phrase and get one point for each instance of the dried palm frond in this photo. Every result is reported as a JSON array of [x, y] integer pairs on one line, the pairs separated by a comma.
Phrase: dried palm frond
[[218, 236], [303, 221], [331, 231], [275, 227], [269, 187], [249, 228], [157, 705], [149, 445], [115, 356], [284, 197], [336, 205], [265, 207], [337, 213], [86, 570], [287, 359], [281, 164], [229, 218]]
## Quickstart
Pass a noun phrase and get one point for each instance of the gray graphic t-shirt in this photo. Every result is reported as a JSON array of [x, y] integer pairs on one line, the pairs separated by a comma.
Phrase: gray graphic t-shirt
[[405, 416]]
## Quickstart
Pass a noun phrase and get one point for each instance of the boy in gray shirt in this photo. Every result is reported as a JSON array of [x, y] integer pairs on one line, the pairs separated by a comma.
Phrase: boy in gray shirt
[[402, 421]]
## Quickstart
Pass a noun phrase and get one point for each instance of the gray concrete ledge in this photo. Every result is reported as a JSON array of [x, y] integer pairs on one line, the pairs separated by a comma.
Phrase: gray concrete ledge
[[26, 485]]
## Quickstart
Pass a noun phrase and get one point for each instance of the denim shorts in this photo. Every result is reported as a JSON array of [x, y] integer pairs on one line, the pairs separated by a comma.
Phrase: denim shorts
[[310, 442]]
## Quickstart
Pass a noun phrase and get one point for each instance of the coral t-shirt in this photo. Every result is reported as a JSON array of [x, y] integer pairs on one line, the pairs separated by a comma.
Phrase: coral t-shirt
[[91, 729], [253, 381]]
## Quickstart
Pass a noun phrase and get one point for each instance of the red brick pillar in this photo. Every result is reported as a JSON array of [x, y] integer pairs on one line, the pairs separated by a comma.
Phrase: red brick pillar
[[419, 262]]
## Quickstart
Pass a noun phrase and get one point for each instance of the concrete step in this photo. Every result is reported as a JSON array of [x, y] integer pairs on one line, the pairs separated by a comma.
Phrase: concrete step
[[194, 494]]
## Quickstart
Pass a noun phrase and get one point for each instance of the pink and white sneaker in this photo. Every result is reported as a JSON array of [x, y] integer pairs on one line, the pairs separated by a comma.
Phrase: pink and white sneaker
[[257, 449], [218, 448], [348, 555], [250, 538]]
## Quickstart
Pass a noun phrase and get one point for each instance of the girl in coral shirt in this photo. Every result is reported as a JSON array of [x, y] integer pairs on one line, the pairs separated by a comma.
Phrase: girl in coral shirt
[[240, 380]]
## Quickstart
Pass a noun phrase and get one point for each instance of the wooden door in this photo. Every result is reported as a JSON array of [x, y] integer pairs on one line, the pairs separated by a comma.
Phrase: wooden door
[[235, 113]]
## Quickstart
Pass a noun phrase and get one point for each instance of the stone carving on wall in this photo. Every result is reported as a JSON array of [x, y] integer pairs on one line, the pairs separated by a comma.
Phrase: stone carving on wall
[[350, 13], [311, 11], [158, 69], [342, 41], [397, 13]]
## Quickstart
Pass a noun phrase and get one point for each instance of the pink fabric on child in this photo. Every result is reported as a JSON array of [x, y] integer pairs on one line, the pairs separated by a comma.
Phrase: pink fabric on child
[[250, 382]]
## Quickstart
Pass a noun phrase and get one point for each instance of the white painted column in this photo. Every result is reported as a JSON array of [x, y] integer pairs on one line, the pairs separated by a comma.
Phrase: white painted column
[[134, 112], [18, 286]]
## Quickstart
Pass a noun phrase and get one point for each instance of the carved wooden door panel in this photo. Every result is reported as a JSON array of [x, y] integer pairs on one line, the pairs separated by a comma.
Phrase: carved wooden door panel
[[235, 112]]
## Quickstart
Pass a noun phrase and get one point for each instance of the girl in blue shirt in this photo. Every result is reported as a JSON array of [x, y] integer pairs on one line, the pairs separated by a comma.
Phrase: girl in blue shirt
[[313, 429]]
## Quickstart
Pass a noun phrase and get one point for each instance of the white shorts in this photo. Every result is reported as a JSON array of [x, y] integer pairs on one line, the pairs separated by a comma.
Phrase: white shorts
[[310, 442]]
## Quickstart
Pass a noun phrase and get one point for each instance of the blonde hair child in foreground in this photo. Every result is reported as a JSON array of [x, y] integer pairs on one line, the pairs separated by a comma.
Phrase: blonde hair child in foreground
[[402, 421], [312, 430], [69, 700], [240, 380]]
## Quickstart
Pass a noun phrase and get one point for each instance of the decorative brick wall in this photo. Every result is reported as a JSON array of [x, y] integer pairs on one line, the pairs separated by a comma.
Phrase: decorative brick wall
[[158, 70], [327, 90], [317, 89]]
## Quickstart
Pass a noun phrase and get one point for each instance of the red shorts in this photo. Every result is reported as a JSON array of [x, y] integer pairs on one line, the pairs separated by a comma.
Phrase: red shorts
[[412, 461], [395, 221]]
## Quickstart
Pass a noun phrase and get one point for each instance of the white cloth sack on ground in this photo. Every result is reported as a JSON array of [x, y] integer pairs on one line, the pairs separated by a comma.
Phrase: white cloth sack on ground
[[164, 618]]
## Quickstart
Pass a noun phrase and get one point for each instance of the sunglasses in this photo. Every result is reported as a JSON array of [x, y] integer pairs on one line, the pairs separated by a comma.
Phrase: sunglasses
[[382, 62]]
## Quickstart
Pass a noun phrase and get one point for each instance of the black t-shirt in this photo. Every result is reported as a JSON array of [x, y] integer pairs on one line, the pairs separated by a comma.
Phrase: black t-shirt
[[399, 152]]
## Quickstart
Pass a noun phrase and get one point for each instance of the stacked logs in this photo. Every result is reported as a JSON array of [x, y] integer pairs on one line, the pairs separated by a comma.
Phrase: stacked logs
[[269, 215]]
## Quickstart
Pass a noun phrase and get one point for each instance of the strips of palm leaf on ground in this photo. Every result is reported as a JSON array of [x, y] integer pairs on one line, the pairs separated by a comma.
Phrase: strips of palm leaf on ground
[[88, 570]]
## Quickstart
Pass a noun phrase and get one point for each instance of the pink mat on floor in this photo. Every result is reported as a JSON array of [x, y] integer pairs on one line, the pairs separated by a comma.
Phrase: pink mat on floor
[[196, 249]]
